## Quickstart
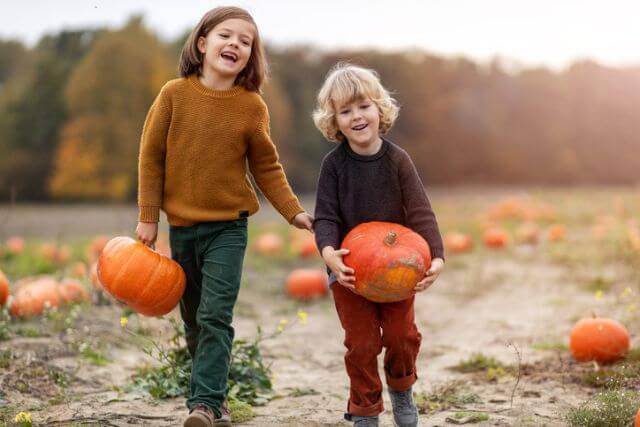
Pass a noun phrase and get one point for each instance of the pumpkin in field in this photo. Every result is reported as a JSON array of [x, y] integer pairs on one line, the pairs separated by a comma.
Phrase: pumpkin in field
[[72, 291], [4, 288], [637, 420], [49, 250], [95, 248], [389, 260], [32, 298], [149, 283], [600, 339], [93, 277], [78, 270], [307, 283], [495, 237], [15, 245], [527, 233], [269, 244], [304, 244], [556, 232], [457, 243]]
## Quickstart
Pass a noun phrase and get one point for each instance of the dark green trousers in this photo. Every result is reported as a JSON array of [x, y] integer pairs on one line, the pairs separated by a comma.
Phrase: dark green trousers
[[211, 254]]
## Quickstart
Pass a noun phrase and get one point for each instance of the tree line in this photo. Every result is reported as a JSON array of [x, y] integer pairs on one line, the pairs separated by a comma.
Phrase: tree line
[[72, 109]]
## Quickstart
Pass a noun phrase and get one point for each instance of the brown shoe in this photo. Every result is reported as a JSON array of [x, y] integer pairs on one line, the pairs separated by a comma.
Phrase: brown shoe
[[224, 420], [200, 416]]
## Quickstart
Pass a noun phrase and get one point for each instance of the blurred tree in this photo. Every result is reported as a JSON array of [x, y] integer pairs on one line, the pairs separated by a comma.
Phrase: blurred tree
[[108, 96], [32, 111]]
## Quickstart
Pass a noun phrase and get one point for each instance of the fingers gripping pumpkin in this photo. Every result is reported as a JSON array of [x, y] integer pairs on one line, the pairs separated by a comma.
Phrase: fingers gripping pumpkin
[[389, 260]]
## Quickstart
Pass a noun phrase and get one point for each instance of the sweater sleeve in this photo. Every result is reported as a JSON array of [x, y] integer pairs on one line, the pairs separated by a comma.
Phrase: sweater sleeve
[[151, 160], [327, 222], [420, 215], [268, 172]]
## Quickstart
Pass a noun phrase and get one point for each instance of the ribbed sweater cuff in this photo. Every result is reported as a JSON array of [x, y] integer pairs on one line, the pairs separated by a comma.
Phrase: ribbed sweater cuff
[[437, 253], [290, 210], [149, 214]]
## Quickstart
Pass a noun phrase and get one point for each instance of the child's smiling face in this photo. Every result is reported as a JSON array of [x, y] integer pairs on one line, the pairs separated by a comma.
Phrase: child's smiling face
[[227, 47], [359, 122]]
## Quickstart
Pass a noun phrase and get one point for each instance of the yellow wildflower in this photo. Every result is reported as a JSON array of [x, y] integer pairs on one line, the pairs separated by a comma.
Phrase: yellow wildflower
[[123, 321], [24, 418], [598, 294], [627, 291], [302, 315], [282, 324], [631, 307]]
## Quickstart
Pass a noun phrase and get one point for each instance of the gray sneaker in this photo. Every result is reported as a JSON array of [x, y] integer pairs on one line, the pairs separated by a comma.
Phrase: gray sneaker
[[405, 413], [359, 421]]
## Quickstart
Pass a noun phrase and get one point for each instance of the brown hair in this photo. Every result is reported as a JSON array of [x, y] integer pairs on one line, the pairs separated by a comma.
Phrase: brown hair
[[253, 74]]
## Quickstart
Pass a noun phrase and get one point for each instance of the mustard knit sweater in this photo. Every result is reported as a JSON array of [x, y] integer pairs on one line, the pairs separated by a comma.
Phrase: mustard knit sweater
[[195, 148]]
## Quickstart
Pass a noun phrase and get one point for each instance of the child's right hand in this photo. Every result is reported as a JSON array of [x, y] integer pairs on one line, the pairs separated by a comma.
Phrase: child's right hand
[[344, 275], [147, 232]]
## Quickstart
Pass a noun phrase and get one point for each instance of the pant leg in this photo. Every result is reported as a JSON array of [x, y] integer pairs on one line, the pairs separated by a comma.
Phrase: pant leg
[[183, 250], [361, 323], [222, 245], [401, 339]]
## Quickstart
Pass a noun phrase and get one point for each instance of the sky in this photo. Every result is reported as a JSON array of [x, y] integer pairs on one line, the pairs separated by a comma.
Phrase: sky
[[550, 33]]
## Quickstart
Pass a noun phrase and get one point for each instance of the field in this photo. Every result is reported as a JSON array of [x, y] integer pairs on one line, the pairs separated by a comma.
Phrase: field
[[495, 325]]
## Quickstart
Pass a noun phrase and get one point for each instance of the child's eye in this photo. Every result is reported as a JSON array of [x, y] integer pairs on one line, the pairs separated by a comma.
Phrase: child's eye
[[343, 112], [246, 43], [224, 36], [364, 106]]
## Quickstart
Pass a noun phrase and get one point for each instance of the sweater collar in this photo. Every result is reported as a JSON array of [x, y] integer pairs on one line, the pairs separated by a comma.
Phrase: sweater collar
[[214, 93], [367, 158]]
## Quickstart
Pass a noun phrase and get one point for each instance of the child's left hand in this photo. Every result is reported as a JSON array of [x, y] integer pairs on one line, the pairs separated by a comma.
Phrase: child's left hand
[[303, 220], [437, 264]]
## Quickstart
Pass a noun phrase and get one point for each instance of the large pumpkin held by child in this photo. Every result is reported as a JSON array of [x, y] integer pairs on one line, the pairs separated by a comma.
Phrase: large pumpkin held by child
[[389, 260], [148, 282]]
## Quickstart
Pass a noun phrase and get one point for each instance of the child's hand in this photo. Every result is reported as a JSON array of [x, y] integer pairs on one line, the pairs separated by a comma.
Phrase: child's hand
[[344, 274], [437, 264], [147, 232], [303, 220]]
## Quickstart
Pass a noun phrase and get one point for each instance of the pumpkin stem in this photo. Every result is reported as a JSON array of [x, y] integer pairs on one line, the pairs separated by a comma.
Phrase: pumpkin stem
[[390, 240]]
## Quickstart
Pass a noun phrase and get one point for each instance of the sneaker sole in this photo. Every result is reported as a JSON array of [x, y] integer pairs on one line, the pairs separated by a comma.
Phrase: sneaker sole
[[197, 420]]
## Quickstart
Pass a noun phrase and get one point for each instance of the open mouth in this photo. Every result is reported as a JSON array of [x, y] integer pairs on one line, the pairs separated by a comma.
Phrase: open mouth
[[360, 127], [229, 56]]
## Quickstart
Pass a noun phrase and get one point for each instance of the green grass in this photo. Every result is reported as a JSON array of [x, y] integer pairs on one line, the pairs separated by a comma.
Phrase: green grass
[[550, 346], [470, 417], [613, 408], [444, 397], [476, 363]]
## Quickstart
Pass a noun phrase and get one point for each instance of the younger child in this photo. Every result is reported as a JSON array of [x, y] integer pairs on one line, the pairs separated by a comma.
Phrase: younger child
[[199, 136], [369, 178]]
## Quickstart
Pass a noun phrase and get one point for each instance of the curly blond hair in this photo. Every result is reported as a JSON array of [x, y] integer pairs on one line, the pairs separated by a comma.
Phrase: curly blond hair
[[346, 83]]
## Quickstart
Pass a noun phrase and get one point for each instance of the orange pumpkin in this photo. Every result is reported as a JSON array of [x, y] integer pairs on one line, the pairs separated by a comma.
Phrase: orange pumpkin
[[527, 233], [32, 298], [15, 245], [49, 250], [600, 339], [269, 244], [149, 283], [457, 243], [637, 421], [307, 283], [93, 277], [4, 288], [556, 232], [78, 270], [72, 291], [495, 237], [305, 247], [95, 248], [389, 260]]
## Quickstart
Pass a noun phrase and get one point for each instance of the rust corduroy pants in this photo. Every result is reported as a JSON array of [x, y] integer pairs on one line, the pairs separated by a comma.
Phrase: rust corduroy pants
[[368, 327]]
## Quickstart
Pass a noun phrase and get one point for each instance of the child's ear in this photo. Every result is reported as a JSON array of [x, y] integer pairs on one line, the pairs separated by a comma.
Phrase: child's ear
[[202, 43]]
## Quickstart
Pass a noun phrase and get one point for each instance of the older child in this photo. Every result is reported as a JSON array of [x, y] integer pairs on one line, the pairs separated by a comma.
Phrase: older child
[[369, 178], [200, 133]]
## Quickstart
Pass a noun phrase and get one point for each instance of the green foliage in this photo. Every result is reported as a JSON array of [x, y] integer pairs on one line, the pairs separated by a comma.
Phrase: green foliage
[[470, 417], [249, 376], [476, 363], [444, 397], [612, 408]]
